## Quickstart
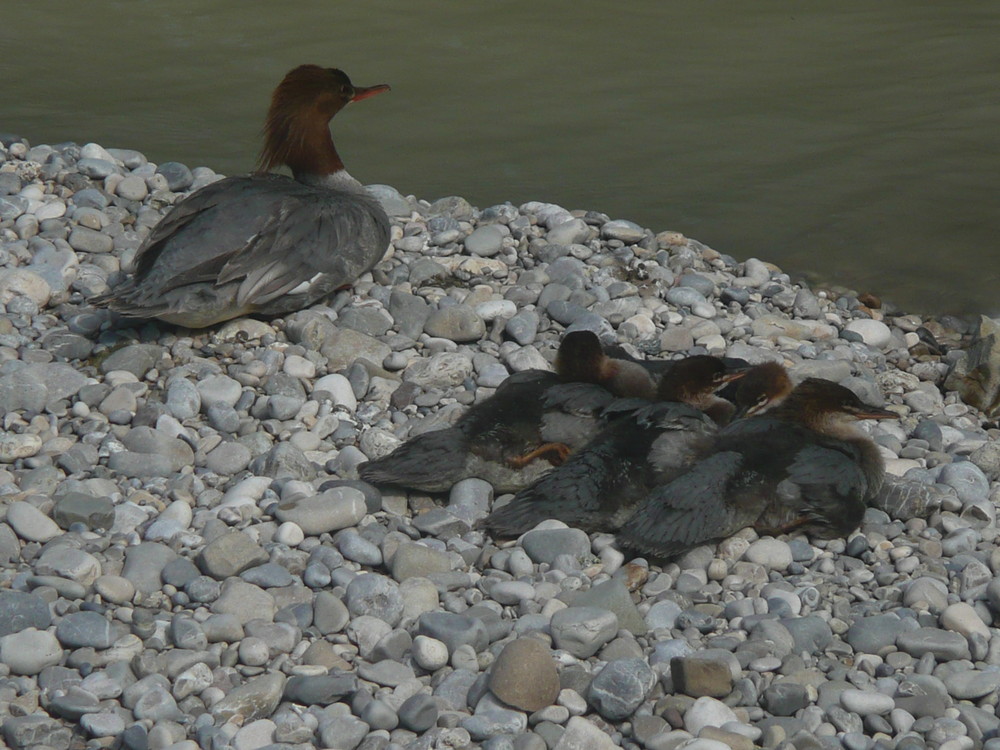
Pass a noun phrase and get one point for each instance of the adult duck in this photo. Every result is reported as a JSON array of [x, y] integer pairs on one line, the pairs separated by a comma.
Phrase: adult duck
[[265, 243]]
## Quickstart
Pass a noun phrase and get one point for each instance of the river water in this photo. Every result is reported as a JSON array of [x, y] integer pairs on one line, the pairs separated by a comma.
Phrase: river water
[[854, 142]]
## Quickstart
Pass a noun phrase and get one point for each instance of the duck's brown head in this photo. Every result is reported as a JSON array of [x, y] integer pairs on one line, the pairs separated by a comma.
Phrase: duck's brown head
[[296, 131]]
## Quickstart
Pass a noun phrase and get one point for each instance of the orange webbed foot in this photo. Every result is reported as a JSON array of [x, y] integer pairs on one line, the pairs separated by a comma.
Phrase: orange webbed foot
[[554, 453]]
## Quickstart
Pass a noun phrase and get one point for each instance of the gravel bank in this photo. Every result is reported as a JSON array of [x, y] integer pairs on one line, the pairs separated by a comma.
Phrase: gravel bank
[[189, 560]]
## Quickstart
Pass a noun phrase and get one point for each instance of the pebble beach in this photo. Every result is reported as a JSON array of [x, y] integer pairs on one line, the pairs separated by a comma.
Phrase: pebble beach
[[190, 561]]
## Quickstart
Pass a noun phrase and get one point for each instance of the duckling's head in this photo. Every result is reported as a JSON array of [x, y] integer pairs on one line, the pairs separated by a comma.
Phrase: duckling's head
[[762, 387], [581, 358], [828, 407], [692, 379]]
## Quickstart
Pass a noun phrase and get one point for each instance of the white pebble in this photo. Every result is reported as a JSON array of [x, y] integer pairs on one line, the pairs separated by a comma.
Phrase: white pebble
[[339, 388], [289, 533], [962, 618], [31, 524], [429, 653], [20, 282], [866, 702], [707, 712], [30, 651], [299, 367], [253, 651], [875, 333], [771, 553]]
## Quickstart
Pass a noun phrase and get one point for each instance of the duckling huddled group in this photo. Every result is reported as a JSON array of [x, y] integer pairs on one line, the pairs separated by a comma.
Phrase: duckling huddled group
[[667, 455]]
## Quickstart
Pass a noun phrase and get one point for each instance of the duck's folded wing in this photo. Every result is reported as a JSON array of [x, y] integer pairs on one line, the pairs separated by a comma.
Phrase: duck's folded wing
[[307, 241]]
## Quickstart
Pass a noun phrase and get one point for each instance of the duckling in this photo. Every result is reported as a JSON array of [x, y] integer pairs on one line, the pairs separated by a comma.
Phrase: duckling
[[643, 444], [802, 466], [530, 424]]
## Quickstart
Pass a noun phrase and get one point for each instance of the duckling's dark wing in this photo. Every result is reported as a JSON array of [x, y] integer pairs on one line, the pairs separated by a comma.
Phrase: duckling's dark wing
[[600, 485], [593, 490], [823, 490], [508, 424], [694, 508], [582, 399], [683, 435], [432, 462], [571, 411]]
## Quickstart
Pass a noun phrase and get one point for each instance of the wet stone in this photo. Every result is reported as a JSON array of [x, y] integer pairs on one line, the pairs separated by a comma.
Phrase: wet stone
[[877, 633], [785, 698], [345, 732], [418, 713], [178, 176], [179, 572], [137, 359], [811, 634], [144, 563], [320, 690]]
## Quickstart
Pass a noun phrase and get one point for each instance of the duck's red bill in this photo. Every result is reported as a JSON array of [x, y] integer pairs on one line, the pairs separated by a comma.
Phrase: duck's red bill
[[364, 92]]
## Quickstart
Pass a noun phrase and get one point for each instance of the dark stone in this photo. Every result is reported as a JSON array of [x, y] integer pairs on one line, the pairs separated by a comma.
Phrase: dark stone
[[76, 507], [20, 610], [320, 690], [785, 698]]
